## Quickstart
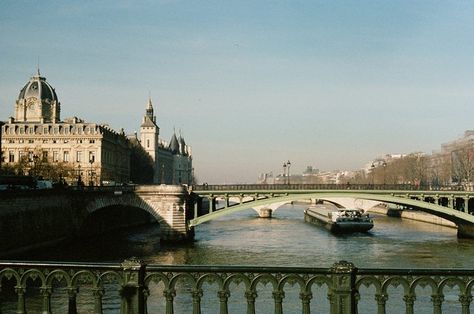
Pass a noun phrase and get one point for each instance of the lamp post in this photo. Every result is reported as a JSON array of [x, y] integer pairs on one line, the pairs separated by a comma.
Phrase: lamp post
[[35, 160], [286, 172], [1, 153], [288, 164], [91, 181], [384, 165], [79, 180], [372, 170]]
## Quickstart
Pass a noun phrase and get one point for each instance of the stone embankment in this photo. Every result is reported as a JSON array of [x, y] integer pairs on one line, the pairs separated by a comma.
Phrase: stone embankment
[[413, 215]]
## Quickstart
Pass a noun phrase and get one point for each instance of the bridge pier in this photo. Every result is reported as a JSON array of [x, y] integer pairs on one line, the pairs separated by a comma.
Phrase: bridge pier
[[172, 208], [466, 231], [265, 212]]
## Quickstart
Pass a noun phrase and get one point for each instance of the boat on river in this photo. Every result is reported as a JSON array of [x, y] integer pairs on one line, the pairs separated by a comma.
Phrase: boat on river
[[338, 220]]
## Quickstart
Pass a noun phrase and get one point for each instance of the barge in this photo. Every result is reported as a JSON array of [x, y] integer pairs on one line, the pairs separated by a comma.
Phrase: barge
[[338, 220]]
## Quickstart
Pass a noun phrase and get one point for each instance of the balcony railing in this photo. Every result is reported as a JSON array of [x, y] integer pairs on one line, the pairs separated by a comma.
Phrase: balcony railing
[[133, 287]]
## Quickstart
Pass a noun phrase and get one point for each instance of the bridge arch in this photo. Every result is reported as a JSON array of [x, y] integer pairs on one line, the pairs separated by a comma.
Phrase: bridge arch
[[125, 200], [464, 221]]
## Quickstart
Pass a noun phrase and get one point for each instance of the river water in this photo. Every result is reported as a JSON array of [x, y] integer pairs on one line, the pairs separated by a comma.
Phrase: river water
[[284, 240]]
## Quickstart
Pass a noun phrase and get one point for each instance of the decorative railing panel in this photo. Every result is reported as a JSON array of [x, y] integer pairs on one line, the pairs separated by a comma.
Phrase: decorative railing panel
[[132, 287]]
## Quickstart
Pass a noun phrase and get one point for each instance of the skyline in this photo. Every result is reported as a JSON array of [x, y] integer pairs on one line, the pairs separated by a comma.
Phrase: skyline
[[251, 85]]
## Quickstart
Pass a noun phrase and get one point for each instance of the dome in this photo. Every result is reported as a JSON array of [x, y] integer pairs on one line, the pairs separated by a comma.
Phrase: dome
[[38, 88]]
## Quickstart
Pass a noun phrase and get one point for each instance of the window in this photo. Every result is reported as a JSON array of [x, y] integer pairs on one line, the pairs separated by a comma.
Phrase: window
[[55, 156], [66, 156], [147, 143], [91, 141], [11, 156], [91, 157], [78, 156], [31, 141], [45, 156]]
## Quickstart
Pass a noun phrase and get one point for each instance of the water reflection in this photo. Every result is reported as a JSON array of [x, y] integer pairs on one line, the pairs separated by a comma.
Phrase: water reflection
[[285, 240]]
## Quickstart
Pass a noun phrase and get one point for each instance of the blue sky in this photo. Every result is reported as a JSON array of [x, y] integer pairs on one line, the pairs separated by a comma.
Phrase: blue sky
[[251, 84]]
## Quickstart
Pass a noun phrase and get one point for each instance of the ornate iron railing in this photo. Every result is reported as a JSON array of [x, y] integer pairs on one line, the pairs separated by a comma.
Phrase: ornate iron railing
[[135, 288], [385, 187]]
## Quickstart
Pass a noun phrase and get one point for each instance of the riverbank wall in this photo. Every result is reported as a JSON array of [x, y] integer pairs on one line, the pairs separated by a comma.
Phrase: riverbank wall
[[412, 215]]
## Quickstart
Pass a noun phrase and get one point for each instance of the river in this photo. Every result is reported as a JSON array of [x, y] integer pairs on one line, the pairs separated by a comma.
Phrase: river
[[284, 240]]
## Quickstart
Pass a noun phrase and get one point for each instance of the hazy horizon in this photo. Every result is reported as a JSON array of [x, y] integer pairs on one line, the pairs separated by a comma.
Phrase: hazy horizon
[[251, 84]]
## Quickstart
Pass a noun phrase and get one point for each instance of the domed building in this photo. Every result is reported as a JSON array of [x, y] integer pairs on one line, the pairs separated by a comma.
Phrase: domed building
[[37, 140]]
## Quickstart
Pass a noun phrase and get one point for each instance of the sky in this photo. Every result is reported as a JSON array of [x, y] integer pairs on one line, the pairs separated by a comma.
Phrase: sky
[[252, 84]]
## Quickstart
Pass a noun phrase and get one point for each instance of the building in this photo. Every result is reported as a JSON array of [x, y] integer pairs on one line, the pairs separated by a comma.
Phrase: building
[[85, 152], [37, 142], [172, 161]]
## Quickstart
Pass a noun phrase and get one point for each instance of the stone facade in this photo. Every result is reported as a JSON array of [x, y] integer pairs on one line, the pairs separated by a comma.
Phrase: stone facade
[[86, 152], [173, 160]]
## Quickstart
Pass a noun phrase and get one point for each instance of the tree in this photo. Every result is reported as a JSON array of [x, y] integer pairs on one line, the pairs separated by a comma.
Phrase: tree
[[462, 161]]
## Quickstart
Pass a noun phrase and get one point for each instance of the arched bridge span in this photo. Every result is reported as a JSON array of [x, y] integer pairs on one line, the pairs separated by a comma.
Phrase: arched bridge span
[[450, 205]]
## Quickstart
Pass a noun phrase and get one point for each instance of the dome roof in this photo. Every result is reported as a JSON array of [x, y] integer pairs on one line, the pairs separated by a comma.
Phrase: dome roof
[[38, 87]]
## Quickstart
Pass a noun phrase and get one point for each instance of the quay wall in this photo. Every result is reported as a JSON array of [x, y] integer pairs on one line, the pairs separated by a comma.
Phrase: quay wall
[[413, 215], [31, 220]]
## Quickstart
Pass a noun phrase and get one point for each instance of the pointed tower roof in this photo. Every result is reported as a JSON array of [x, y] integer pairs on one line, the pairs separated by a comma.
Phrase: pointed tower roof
[[149, 119], [174, 144]]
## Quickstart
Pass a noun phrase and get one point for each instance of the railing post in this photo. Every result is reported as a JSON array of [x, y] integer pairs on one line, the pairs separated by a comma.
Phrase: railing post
[[343, 290], [465, 302], [132, 291], [251, 295], [21, 306], [46, 293], [72, 303], [223, 297]]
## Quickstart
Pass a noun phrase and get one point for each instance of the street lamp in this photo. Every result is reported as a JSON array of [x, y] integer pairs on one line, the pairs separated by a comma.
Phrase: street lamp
[[384, 165], [1, 154], [35, 160], [286, 172], [79, 180], [91, 181], [372, 170]]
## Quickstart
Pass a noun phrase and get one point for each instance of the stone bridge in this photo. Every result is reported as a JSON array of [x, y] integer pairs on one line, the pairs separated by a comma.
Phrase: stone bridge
[[38, 217], [453, 205]]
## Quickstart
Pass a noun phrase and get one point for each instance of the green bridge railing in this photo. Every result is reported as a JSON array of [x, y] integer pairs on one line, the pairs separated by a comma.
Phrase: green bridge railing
[[135, 288]]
